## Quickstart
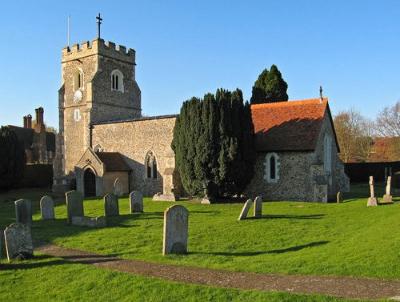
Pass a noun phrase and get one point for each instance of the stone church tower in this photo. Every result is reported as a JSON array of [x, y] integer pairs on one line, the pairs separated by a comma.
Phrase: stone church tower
[[98, 85]]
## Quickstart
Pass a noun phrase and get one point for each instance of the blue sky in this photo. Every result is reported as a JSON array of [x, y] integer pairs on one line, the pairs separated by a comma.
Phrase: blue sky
[[188, 48]]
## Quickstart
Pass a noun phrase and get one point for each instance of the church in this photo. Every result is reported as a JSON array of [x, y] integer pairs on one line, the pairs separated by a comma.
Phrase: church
[[103, 136]]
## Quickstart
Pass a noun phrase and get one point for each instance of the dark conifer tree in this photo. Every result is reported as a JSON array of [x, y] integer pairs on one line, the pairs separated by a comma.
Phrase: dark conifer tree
[[214, 144], [12, 159], [270, 87]]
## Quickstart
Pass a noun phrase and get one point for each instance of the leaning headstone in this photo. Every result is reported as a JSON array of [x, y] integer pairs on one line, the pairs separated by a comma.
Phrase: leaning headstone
[[339, 198], [258, 207], [372, 201], [47, 208], [245, 209], [18, 240], [23, 211], [74, 201], [387, 198], [111, 207], [118, 189], [175, 230], [136, 202]]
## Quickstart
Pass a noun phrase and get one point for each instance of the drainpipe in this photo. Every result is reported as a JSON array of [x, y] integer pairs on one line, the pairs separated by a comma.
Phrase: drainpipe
[[90, 135]]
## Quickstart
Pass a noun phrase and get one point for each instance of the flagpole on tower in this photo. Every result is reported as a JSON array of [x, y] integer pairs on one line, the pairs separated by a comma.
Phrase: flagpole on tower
[[68, 32]]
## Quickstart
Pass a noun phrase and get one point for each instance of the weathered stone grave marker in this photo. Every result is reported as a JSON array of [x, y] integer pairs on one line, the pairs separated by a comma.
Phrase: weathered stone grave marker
[[258, 207], [118, 189], [245, 209], [372, 201], [18, 241], [111, 207], [176, 221], [136, 202], [1, 243], [47, 207], [387, 198], [23, 211], [339, 197], [74, 201]]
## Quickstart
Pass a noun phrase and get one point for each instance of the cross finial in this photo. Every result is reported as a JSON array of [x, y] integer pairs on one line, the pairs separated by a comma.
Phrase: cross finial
[[99, 19]]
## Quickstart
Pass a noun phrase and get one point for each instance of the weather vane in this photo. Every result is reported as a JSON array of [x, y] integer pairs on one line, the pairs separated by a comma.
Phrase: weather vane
[[99, 19]]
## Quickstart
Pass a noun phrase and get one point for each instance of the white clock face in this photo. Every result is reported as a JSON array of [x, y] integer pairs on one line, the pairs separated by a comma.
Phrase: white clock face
[[77, 115], [77, 96]]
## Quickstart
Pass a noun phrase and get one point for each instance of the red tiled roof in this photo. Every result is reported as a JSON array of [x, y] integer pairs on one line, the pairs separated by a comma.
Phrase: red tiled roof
[[288, 126]]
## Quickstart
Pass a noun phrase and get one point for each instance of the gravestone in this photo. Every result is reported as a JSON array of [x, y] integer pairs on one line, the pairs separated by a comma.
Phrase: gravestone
[[245, 209], [339, 198], [47, 208], [175, 230], [111, 207], [1, 243], [136, 202], [18, 241], [118, 189], [23, 211], [372, 201], [387, 198], [74, 201], [258, 207]]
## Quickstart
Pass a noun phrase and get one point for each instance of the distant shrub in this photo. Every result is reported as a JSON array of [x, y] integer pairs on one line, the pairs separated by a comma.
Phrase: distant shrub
[[12, 159]]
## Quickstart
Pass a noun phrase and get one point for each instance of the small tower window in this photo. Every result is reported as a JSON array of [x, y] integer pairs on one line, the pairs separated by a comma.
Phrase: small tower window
[[78, 80], [117, 81], [151, 166]]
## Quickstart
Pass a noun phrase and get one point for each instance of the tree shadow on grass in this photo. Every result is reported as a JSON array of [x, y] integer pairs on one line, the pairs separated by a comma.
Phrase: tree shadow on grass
[[277, 251], [36, 263], [205, 212], [283, 216], [21, 265]]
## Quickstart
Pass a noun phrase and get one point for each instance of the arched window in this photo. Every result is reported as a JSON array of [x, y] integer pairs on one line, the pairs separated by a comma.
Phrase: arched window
[[117, 81], [327, 153], [78, 79], [151, 165], [272, 168]]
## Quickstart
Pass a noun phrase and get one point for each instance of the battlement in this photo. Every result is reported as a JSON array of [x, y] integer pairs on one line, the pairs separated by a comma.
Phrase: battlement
[[98, 47]]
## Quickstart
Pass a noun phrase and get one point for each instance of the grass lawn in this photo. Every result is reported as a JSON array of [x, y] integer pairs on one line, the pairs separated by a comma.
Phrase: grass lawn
[[50, 279], [292, 238]]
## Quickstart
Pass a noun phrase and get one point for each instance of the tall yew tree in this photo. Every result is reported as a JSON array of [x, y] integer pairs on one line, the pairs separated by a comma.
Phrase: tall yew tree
[[12, 159], [214, 144], [270, 87]]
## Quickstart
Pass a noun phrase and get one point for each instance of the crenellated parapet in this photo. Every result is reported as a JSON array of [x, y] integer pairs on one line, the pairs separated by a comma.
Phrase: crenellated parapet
[[98, 47]]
